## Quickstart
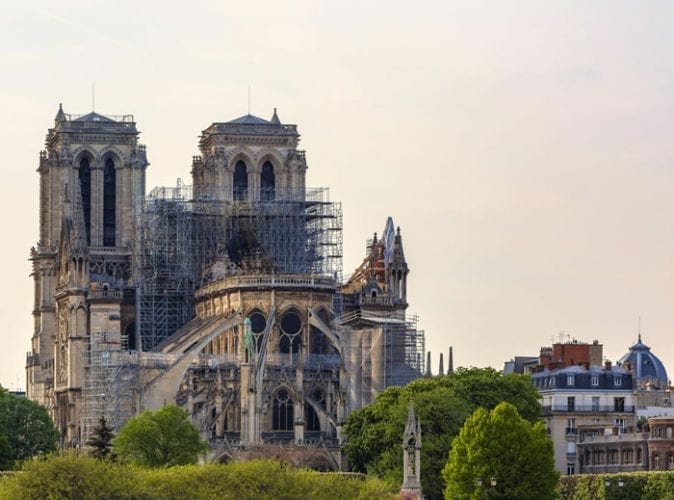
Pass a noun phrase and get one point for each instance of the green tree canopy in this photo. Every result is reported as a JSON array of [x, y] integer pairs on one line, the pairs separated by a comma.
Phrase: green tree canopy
[[502, 445], [164, 438], [374, 434], [26, 429]]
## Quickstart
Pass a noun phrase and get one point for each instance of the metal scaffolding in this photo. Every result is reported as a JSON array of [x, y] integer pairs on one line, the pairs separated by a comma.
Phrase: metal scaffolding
[[111, 382], [182, 235], [405, 345]]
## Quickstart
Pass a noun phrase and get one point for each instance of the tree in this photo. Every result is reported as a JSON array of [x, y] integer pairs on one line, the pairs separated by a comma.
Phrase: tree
[[502, 445], [101, 439], [164, 438], [374, 433], [26, 429]]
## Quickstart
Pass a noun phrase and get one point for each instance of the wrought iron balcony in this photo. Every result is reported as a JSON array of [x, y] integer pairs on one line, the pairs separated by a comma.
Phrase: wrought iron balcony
[[551, 409]]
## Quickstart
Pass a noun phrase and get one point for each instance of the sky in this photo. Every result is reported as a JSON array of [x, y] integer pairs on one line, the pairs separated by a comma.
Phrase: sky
[[524, 147]]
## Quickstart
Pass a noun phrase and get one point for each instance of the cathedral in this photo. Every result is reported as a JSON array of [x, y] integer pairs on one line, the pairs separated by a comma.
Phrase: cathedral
[[225, 296]]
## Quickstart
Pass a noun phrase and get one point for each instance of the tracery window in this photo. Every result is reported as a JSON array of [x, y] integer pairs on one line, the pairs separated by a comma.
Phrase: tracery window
[[290, 335], [282, 411], [257, 325]]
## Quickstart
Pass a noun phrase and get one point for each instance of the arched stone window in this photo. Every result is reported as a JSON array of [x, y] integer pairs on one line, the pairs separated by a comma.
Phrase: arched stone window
[[240, 181], [85, 192], [311, 420], [109, 198], [267, 182], [282, 411], [290, 335]]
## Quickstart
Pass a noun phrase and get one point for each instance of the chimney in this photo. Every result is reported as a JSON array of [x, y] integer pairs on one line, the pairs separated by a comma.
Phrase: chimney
[[441, 370], [428, 364], [607, 365]]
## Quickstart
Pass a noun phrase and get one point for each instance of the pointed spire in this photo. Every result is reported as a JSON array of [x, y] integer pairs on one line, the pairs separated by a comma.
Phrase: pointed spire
[[411, 487], [441, 370], [60, 116], [411, 424], [450, 363], [274, 119], [398, 249]]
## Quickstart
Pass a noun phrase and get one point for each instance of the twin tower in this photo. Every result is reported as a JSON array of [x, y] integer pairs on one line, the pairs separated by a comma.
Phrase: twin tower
[[225, 297]]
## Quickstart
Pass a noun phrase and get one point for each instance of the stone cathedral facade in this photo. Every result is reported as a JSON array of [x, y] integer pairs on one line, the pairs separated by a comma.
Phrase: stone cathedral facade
[[224, 296]]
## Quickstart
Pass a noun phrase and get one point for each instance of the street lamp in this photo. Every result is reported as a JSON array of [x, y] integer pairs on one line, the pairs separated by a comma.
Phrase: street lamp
[[492, 482]]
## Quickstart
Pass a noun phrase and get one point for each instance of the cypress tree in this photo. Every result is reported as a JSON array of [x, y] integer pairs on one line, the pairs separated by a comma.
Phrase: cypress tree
[[101, 439]]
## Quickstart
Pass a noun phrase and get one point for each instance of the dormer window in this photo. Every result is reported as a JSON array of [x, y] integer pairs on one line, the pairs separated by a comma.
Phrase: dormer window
[[617, 381], [570, 380], [595, 380]]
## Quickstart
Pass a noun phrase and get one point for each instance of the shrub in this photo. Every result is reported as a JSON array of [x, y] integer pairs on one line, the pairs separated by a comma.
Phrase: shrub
[[79, 477]]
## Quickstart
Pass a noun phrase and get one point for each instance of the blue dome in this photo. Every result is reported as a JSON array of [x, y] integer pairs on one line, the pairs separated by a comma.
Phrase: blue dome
[[647, 368]]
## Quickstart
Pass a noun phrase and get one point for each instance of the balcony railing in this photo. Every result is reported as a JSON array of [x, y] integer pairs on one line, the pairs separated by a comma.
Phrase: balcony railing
[[547, 410], [106, 294], [268, 281]]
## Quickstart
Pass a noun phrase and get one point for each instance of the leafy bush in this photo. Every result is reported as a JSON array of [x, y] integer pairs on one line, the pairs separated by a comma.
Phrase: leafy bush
[[651, 485], [79, 477]]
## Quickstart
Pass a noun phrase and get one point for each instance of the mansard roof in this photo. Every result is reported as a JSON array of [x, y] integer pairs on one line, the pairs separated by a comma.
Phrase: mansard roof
[[594, 378]]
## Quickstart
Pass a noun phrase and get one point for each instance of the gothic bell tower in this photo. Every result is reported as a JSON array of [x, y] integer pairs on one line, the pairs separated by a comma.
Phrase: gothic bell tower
[[92, 185]]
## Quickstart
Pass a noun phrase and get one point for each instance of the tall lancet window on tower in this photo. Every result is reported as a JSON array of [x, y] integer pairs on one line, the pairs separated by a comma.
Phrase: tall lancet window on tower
[[109, 191], [267, 182], [85, 191], [240, 181]]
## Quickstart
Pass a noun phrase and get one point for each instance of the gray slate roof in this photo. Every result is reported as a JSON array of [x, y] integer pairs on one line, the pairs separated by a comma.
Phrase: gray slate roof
[[250, 120]]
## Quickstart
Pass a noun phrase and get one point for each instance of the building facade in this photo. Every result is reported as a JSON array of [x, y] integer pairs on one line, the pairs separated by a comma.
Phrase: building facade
[[225, 296], [577, 398]]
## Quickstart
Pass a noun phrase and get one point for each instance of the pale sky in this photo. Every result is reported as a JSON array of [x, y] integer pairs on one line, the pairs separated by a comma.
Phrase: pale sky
[[524, 147]]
